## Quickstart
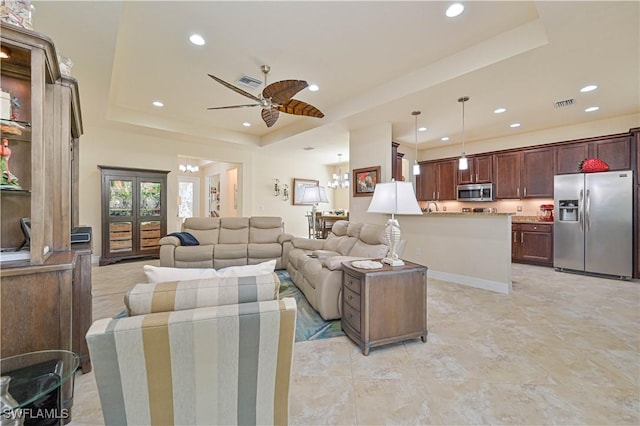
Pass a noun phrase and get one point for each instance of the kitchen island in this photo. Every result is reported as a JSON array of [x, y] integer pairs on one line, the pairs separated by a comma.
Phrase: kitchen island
[[472, 249]]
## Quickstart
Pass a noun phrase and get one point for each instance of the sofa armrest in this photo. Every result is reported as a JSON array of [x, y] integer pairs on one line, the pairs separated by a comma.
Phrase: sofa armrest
[[307, 244], [282, 238], [335, 263], [170, 240]]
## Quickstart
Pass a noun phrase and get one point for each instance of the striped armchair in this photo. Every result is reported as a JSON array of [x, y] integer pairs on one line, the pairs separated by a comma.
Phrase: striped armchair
[[226, 364]]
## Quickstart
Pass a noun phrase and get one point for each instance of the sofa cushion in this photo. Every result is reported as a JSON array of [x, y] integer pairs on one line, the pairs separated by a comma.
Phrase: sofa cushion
[[230, 251], [265, 229], [339, 228], [158, 274], [353, 230], [332, 241], [193, 253], [264, 250], [374, 251], [234, 230], [346, 244], [168, 296], [204, 229]]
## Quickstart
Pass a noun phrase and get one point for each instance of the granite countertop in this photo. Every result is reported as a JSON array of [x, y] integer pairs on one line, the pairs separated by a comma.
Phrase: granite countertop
[[529, 219]]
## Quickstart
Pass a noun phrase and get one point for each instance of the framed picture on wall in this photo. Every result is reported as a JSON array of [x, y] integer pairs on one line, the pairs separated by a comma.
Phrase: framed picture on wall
[[298, 186], [365, 180]]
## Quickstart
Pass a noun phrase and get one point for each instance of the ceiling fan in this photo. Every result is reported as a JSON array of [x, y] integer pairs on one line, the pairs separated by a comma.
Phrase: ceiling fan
[[275, 98]]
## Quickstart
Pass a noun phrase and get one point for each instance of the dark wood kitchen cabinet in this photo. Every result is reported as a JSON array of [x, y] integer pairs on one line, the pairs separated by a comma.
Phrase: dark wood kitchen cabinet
[[532, 243], [480, 170], [615, 151], [524, 173], [437, 180], [396, 162]]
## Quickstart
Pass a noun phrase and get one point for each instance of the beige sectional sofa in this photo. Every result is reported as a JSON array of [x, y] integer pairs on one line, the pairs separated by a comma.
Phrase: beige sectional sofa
[[228, 241], [315, 266]]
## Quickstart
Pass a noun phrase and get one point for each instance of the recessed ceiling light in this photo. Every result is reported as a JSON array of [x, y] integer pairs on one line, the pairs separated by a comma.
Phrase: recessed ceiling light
[[454, 10], [246, 124], [514, 125], [422, 129], [589, 88], [500, 110], [314, 88], [197, 39], [444, 139], [158, 104], [591, 109]]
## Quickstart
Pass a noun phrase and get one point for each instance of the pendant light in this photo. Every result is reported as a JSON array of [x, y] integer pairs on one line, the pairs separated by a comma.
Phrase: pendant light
[[416, 166], [462, 162]]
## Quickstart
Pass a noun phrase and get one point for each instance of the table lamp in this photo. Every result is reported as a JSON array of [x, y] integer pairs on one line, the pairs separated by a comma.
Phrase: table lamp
[[395, 198], [313, 194]]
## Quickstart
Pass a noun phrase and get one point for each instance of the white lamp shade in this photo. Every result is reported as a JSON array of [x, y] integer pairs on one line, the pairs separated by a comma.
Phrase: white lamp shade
[[312, 194], [394, 198]]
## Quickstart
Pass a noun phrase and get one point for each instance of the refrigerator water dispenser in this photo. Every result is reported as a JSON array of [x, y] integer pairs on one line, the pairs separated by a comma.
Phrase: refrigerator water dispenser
[[568, 210]]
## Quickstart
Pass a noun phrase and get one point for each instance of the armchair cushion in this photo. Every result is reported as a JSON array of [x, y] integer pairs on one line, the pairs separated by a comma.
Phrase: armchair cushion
[[148, 298]]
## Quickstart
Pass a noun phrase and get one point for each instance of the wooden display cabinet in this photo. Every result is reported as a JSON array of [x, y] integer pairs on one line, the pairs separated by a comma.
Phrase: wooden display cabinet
[[134, 213], [437, 180], [46, 286]]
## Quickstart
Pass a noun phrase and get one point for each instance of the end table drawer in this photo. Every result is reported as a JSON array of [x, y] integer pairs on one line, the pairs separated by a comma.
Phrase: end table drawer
[[351, 282], [352, 298], [352, 317]]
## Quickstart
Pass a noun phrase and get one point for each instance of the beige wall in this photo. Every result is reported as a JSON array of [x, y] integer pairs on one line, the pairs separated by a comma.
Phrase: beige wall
[[124, 146]]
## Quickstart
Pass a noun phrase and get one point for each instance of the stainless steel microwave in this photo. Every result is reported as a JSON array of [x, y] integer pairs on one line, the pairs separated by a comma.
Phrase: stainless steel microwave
[[475, 192]]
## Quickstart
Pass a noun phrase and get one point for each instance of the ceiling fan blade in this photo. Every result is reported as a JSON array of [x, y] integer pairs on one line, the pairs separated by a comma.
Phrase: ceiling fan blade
[[270, 116], [234, 88], [235, 106], [297, 107], [282, 91]]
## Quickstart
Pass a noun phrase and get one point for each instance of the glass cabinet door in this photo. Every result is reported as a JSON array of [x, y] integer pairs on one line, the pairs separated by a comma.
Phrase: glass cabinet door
[[120, 197], [149, 213], [150, 198]]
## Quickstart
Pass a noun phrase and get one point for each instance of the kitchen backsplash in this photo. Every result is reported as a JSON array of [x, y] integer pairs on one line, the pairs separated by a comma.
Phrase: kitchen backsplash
[[530, 207]]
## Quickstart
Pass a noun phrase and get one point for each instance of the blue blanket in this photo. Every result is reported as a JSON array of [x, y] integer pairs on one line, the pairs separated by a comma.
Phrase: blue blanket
[[186, 239]]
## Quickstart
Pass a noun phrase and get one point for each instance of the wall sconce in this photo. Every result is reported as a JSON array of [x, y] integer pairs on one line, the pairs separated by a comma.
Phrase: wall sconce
[[285, 192], [276, 187]]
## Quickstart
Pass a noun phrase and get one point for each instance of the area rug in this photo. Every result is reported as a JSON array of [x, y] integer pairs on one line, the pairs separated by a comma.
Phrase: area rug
[[309, 323]]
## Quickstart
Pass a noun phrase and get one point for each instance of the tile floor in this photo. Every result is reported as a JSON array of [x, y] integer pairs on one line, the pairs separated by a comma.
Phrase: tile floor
[[562, 349]]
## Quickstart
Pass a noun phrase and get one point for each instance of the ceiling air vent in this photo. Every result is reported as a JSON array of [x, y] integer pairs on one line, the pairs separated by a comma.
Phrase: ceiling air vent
[[309, 148], [565, 103], [248, 82]]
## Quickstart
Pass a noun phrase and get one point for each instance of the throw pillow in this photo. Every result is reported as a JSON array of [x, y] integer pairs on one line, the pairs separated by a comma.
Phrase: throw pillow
[[248, 270], [158, 274]]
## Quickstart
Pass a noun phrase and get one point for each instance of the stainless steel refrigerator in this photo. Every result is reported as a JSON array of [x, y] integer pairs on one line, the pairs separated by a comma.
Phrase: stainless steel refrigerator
[[593, 229]]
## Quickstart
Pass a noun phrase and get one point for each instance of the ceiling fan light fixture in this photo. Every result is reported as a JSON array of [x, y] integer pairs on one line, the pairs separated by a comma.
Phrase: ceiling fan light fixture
[[313, 88], [5, 52]]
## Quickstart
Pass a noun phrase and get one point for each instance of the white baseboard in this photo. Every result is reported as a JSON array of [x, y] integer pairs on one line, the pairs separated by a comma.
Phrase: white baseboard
[[498, 287]]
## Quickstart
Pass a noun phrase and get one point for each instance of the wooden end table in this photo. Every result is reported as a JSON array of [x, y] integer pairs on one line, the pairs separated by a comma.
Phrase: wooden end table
[[385, 305]]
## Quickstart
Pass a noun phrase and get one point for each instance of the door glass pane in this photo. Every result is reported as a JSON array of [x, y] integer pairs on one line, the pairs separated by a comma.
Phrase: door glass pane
[[186, 199], [120, 237], [149, 234], [150, 198], [120, 197]]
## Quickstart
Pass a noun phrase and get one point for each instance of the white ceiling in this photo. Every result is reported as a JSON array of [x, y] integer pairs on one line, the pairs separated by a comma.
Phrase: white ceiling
[[373, 60]]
